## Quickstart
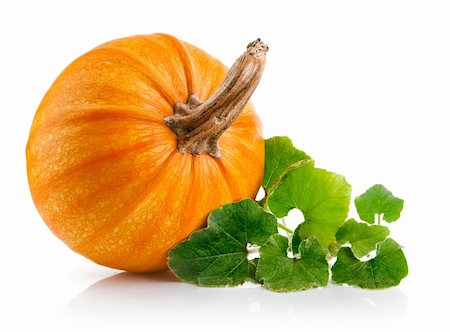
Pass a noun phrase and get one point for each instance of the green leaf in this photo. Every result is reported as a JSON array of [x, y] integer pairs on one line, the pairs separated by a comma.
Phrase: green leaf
[[217, 255], [283, 274], [281, 157], [362, 237], [378, 201], [387, 269], [322, 196]]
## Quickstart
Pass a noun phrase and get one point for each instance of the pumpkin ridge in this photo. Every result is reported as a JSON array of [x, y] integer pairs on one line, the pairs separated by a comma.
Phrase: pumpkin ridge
[[144, 239], [144, 68], [186, 59], [107, 113], [73, 244], [139, 67], [192, 194], [228, 180], [248, 154], [139, 198], [143, 145], [82, 115]]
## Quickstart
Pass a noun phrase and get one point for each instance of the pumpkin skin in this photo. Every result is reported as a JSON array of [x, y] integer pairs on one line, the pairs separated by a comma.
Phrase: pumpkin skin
[[104, 169]]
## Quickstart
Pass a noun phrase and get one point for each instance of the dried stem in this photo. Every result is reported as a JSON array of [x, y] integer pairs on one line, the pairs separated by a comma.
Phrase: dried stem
[[198, 125]]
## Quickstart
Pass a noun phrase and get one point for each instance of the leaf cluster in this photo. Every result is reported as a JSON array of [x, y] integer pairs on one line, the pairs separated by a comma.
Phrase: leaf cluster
[[242, 242]]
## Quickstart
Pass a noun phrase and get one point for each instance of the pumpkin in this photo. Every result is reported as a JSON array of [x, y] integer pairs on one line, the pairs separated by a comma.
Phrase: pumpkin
[[137, 141]]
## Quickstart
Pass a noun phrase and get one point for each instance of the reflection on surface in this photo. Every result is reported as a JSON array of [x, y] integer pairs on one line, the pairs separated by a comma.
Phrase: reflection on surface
[[161, 298]]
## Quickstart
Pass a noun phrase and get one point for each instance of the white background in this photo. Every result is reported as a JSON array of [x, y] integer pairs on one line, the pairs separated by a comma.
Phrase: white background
[[361, 86]]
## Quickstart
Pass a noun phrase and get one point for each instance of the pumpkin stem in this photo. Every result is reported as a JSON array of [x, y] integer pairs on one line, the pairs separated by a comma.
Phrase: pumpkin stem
[[198, 125]]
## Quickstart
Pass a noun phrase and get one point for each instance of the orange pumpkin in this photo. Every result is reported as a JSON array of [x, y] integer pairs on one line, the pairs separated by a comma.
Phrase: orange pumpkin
[[121, 169]]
